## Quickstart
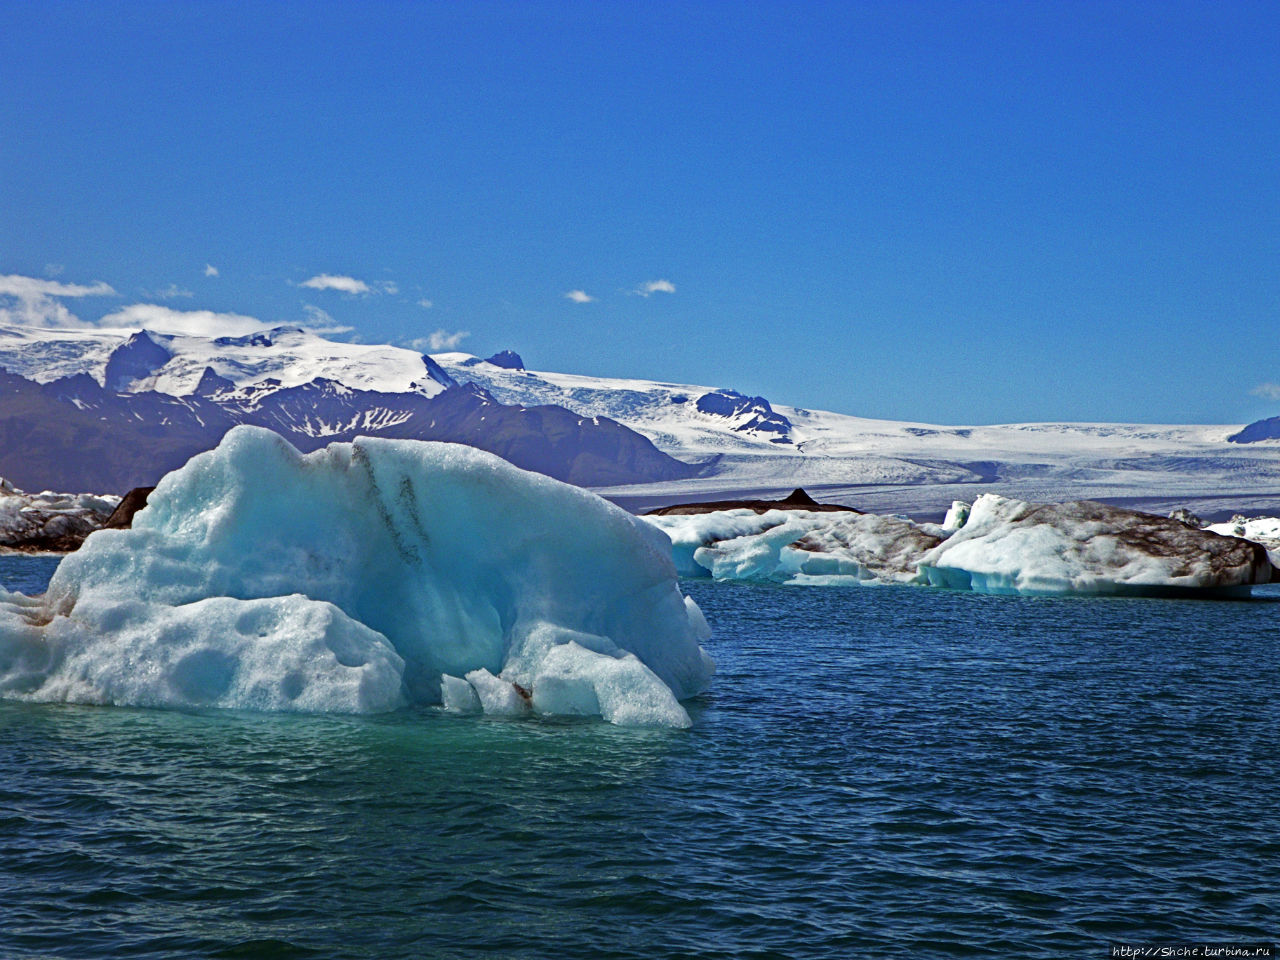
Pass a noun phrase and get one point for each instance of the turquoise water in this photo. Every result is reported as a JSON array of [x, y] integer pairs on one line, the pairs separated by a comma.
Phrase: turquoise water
[[890, 772]]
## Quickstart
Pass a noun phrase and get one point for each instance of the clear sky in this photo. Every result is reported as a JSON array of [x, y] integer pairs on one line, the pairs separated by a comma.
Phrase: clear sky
[[953, 212]]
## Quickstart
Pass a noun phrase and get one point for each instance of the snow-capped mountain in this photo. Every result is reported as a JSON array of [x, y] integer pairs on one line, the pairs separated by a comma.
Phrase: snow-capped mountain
[[131, 405], [640, 442], [135, 361]]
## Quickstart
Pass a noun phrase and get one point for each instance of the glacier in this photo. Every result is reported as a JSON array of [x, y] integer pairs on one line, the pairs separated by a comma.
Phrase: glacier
[[359, 578]]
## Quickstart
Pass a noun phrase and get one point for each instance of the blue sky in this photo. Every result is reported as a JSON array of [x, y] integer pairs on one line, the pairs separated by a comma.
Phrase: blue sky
[[952, 212]]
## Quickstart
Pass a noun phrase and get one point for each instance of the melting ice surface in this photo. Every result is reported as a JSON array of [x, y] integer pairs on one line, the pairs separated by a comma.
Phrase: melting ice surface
[[359, 578]]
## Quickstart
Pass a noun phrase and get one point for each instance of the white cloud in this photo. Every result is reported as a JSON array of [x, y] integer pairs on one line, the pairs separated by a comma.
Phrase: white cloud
[[438, 341], [321, 321], [168, 293], [425, 304], [327, 281], [389, 287], [34, 302], [54, 269], [1269, 391], [578, 296], [195, 323], [210, 270], [655, 286]]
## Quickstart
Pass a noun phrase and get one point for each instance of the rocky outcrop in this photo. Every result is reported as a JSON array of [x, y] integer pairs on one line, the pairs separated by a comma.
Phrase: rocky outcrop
[[137, 358], [747, 414], [122, 516], [1268, 429], [797, 499], [507, 359]]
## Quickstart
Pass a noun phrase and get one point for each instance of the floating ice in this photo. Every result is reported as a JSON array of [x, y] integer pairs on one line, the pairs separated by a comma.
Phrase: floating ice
[[360, 577], [797, 546], [51, 521], [995, 546], [1010, 546]]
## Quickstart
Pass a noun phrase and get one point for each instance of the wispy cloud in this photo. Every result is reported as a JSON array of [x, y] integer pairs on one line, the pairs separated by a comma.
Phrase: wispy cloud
[[655, 286], [389, 287], [322, 322], [54, 269], [1268, 391], [171, 292], [579, 296], [438, 341], [196, 323], [328, 281], [35, 302], [425, 304], [210, 270]]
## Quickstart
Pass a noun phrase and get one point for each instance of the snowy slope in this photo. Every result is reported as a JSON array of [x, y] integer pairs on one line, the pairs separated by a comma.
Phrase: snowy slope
[[912, 466]]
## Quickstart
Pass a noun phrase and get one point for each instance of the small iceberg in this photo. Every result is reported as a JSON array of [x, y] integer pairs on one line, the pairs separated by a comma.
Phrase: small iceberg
[[360, 578]]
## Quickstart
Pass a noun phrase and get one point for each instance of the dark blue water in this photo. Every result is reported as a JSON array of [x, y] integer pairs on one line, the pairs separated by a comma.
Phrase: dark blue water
[[890, 772]]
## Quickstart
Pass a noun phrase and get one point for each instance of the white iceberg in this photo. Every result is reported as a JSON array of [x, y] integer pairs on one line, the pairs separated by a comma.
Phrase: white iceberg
[[358, 578], [1014, 547]]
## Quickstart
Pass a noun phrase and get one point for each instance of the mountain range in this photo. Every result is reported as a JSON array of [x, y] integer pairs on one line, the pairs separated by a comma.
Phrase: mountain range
[[107, 409]]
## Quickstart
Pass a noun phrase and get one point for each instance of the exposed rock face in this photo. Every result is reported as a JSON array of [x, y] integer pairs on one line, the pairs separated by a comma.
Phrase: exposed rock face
[[507, 359], [1268, 429], [1010, 546], [137, 358], [438, 373], [211, 384], [122, 516], [749, 414], [796, 500]]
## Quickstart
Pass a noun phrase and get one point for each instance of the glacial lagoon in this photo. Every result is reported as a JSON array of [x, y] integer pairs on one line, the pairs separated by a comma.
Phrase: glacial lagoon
[[883, 771]]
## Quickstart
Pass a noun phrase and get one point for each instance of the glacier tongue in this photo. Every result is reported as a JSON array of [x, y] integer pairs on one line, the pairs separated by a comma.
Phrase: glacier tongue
[[359, 577]]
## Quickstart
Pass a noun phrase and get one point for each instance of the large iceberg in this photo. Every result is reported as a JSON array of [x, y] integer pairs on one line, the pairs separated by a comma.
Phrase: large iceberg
[[1013, 547], [358, 578], [998, 545]]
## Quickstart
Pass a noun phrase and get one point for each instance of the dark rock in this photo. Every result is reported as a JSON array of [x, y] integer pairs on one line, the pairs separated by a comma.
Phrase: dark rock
[[1268, 429], [507, 359], [796, 500], [438, 373], [760, 416], [210, 383], [135, 359], [122, 517]]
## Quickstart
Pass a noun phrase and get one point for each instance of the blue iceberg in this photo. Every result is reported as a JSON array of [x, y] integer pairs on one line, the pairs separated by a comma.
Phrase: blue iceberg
[[359, 578]]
